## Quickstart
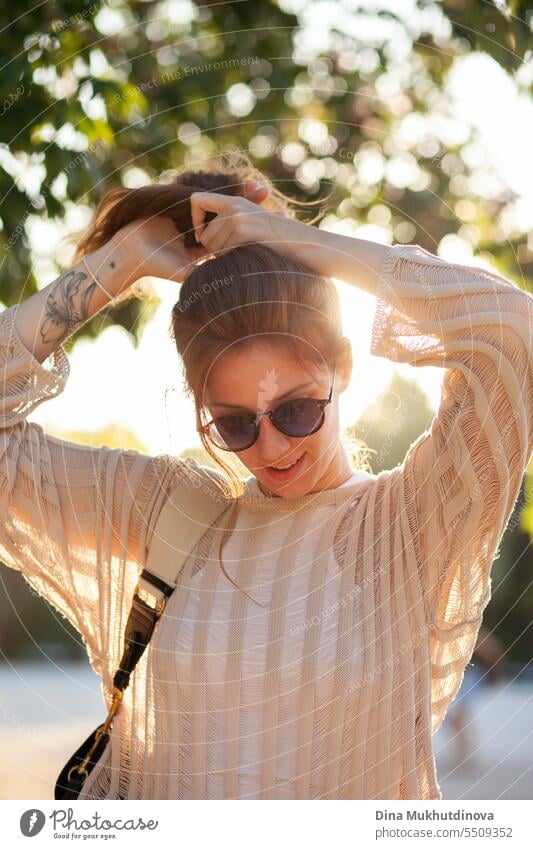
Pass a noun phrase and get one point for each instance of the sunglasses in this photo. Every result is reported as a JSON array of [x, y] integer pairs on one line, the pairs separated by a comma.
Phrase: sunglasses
[[297, 417]]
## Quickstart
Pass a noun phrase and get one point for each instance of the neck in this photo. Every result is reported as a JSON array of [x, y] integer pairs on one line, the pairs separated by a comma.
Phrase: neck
[[337, 473]]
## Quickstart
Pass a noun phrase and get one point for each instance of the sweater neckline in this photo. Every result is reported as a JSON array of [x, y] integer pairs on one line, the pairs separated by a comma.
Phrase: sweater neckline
[[255, 498]]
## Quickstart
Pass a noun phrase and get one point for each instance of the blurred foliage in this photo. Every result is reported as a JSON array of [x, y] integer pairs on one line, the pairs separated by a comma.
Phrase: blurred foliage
[[503, 29], [392, 422], [101, 95], [30, 628], [113, 435], [527, 513], [509, 612]]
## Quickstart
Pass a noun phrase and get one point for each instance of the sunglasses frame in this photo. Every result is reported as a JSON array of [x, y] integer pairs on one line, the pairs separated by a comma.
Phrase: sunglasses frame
[[322, 403]]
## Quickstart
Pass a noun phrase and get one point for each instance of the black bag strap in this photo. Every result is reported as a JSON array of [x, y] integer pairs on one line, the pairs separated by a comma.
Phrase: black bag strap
[[183, 520]]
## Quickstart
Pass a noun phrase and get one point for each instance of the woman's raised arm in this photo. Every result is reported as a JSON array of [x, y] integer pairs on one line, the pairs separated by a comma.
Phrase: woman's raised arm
[[72, 517], [460, 480], [46, 319], [238, 221]]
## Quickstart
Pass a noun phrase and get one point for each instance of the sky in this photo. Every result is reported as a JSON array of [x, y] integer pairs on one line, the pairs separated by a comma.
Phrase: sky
[[112, 382]]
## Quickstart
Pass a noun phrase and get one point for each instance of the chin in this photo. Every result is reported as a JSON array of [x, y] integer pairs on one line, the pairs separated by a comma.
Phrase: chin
[[291, 484], [287, 489]]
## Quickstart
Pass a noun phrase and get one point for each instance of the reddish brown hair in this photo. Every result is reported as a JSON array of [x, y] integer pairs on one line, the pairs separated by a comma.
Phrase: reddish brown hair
[[227, 173]]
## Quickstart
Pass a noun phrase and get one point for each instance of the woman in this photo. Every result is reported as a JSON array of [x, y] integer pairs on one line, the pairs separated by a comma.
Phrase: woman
[[322, 626]]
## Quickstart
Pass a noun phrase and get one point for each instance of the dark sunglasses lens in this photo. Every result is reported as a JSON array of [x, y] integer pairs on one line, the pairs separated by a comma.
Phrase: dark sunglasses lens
[[233, 433], [299, 417]]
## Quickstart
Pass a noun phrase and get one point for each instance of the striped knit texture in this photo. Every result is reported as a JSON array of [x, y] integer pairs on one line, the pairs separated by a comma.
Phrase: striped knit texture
[[366, 600]]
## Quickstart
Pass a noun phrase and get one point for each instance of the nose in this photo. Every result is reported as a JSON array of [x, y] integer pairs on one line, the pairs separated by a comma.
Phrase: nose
[[271, 443]]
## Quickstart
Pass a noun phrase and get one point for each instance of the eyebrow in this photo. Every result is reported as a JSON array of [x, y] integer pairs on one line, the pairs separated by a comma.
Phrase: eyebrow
[[241, 407]]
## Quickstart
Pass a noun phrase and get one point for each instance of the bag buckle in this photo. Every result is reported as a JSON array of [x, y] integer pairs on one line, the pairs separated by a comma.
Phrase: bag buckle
[[104, 730]]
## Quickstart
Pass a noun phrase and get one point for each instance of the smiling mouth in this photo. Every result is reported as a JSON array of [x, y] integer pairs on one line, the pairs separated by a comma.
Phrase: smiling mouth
[[286, 470]]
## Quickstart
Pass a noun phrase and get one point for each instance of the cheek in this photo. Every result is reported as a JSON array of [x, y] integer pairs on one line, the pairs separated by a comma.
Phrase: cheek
[[324, 442], [319, 445], [249, 458]]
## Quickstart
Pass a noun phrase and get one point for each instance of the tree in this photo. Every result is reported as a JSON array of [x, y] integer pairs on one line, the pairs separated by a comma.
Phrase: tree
[[390, 424], [97, 96]]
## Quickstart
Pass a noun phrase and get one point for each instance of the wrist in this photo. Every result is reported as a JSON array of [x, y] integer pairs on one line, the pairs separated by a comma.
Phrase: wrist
[[347, 258], [298, 241], [116, 266], [312, 247]]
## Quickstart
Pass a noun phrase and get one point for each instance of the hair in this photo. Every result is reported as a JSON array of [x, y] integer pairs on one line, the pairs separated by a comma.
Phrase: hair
[[245, 297]]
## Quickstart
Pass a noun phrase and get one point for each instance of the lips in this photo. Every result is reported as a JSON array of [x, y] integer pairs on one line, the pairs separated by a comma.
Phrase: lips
[[286, 474], [284, 468]]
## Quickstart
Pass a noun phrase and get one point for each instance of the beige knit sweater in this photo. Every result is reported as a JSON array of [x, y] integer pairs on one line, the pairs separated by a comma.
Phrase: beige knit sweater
[[369, 596]]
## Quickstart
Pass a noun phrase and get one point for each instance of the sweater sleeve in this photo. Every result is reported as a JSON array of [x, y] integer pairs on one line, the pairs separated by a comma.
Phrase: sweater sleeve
[[73, 518], [461, 479]]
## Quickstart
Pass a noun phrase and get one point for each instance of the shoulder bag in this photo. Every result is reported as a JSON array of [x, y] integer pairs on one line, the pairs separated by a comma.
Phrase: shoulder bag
[[175, 535]]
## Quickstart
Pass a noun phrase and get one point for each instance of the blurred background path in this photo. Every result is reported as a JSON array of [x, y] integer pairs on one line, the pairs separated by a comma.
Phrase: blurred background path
[[46, 712]]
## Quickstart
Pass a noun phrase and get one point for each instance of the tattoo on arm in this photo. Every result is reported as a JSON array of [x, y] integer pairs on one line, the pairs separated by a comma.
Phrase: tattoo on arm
[[67, 306]]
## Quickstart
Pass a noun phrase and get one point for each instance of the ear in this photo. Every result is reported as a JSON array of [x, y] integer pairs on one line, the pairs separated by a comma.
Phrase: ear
[[344, 367]]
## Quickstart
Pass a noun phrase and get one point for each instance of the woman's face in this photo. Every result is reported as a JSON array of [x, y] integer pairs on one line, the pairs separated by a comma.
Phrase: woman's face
[[257, 379]]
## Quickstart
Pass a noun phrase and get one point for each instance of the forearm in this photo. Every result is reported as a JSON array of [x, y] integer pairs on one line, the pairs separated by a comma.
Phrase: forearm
[[355, 261], [50, 316]]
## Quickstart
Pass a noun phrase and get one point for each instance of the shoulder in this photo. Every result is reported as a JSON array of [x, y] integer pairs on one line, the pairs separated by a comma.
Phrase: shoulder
[[188, 473], [164, 472], [184, 480]]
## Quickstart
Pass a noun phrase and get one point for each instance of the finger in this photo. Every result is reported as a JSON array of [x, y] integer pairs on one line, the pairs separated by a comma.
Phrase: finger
[[224, 239], [202, 202], [255, 191], [213, 233], [221, 224]]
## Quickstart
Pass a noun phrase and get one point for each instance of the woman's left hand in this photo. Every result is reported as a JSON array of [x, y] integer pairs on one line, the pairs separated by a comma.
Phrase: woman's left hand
[[239, 220]]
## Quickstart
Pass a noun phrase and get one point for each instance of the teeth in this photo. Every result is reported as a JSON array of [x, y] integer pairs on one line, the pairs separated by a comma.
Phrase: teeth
[[283, 468]]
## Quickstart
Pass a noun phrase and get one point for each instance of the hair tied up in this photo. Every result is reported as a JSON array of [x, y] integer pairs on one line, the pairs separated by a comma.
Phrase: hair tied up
[[228, 174]]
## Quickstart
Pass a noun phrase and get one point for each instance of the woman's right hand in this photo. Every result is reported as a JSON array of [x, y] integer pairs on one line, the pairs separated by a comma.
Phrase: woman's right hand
[[156, 249]]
